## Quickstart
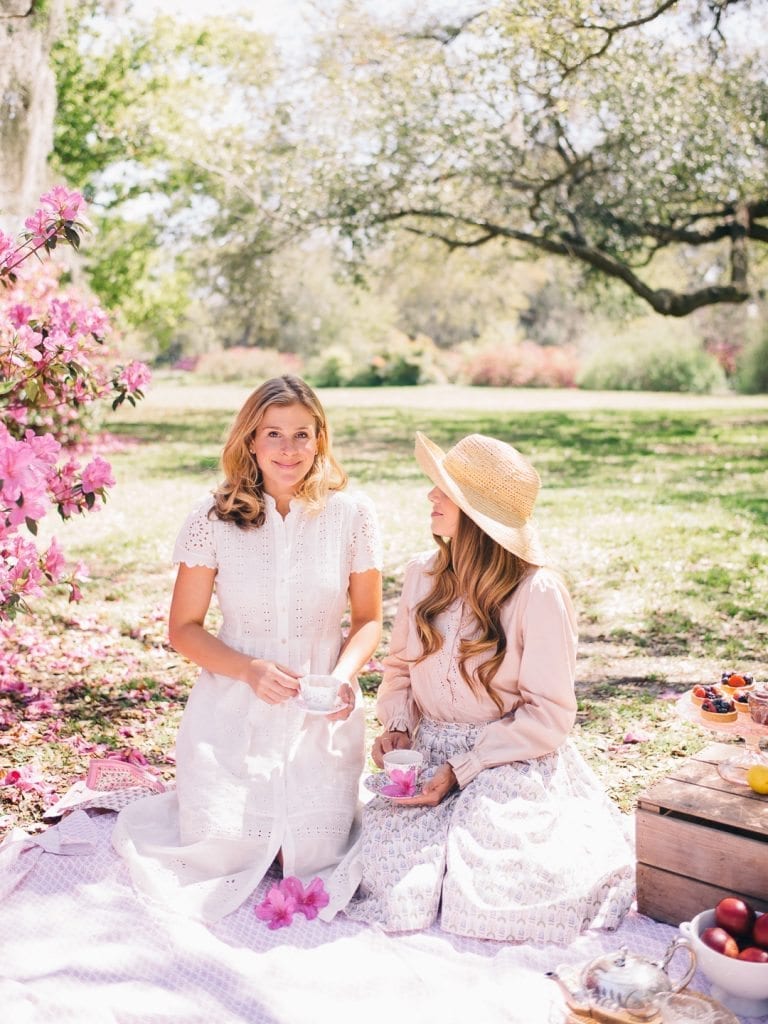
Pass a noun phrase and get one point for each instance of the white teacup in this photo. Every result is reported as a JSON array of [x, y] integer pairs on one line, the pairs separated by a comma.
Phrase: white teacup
[[319, 693], [684, 1008], [403, 760]]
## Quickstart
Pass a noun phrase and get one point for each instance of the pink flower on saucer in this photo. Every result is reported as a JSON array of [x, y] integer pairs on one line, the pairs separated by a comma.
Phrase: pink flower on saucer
[[401, 783]]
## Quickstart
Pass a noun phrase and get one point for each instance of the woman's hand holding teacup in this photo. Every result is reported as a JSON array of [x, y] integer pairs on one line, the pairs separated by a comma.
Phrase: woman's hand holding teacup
[[273, 683], [434, 790], [347, 694], [392, 740]]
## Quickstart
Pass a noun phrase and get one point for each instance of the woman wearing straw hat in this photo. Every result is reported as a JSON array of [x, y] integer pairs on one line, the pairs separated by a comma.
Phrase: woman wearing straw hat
[[510, 835]]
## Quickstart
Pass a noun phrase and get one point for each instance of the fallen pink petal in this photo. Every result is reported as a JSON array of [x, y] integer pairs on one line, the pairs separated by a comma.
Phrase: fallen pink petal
[[636, 736]]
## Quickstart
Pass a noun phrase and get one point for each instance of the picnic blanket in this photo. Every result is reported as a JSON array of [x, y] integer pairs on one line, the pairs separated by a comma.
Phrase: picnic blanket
[[79, 946]]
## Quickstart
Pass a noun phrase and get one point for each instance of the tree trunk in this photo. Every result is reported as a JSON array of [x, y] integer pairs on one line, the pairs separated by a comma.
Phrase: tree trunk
[[27, 104]]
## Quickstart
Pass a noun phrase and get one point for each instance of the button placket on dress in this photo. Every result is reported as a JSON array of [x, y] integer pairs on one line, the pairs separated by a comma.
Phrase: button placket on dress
[[284, 531], [282, 534]]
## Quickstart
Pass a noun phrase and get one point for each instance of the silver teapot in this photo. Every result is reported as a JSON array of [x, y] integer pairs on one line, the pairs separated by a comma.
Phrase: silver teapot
[[624, 981]]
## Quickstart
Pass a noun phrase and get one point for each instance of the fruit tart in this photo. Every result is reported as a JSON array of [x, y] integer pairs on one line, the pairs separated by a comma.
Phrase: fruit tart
[[719, 710], [732, 681], [701, 693]]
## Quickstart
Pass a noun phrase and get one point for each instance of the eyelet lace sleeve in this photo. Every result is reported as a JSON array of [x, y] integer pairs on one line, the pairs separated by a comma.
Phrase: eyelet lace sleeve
[[195, 543], [366, 536]]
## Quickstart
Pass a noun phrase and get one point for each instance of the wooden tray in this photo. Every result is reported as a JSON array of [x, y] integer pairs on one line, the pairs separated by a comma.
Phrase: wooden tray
[[602, 1016]]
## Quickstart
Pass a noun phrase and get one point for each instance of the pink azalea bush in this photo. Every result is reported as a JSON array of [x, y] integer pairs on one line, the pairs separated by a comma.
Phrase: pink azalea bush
[[54, 367], [522, 365]]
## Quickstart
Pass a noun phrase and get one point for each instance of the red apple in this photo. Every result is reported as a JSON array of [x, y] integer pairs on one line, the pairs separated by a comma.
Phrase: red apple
[[735, 916], [719, 940], [759, 956], [760, 932]]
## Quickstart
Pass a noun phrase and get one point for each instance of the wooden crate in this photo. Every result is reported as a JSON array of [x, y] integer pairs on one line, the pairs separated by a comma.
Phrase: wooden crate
[[699, 838]]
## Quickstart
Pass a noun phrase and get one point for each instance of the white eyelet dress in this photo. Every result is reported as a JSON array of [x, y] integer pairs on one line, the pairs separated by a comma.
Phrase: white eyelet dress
[[251, 778]]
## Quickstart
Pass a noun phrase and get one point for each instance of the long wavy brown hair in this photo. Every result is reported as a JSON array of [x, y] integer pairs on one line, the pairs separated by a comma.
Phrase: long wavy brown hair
[[473, 567], [240, 498]]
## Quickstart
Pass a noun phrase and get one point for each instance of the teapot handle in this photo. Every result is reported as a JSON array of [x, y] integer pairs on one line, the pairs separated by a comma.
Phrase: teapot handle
[[680, 943]]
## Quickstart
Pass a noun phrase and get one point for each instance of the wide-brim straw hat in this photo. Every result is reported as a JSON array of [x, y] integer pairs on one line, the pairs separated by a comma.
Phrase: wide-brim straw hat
[[493, 484]]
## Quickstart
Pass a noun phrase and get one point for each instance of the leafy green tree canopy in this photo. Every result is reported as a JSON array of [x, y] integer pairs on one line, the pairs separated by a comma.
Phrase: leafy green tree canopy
[[176, 132], [604, 131]]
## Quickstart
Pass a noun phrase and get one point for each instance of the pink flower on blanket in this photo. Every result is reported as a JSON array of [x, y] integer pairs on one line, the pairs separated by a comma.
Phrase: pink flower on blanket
[[401, 783], [289, 897], [277, 908], [310, 900]]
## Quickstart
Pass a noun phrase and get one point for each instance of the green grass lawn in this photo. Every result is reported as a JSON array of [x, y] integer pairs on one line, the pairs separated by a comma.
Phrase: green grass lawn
[[654, 507]]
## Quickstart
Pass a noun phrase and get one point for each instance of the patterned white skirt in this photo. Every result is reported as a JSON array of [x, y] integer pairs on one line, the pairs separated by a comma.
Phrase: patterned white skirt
[[530, 851]]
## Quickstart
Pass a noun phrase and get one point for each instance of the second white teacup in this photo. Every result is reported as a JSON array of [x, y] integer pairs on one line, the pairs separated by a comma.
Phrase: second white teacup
[[320, 693], [685, 1008], [403, 760]]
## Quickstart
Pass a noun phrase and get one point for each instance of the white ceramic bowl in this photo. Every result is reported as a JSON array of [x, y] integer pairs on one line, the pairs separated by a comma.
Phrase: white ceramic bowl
[[740, 985], [403, 760]]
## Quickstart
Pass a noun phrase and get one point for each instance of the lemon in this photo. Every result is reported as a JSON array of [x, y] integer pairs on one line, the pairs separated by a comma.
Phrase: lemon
[[757, 778]]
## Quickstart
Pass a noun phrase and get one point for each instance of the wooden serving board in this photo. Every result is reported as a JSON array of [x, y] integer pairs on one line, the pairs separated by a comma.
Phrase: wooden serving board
[[601, 1016]]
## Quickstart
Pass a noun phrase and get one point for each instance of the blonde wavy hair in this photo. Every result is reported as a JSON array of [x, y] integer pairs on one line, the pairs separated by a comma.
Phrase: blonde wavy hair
[[483, 574], [240, 498]]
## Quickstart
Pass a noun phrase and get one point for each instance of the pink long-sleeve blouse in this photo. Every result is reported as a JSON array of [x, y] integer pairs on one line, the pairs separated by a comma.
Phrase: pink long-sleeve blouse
[[535, 680]]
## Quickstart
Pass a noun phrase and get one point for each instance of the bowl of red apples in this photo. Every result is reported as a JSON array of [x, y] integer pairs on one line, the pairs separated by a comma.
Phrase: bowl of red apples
[[731, 946]]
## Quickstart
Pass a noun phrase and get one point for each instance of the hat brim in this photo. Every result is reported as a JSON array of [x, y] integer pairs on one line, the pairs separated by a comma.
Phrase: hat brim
[[522, 541]]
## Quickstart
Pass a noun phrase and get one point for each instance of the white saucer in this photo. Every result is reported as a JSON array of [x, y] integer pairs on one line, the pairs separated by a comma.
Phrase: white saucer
[[375, 783], [298, 702]]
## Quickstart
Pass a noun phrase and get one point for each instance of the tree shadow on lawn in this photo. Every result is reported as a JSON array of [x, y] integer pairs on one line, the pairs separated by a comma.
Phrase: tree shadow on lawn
[[701, 455], [193, 427], [566, 447]]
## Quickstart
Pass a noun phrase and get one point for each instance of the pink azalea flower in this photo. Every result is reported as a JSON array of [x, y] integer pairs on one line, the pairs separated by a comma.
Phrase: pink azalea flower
[[6, 246], [96, 475], [30, 342], [40, 225], [313, 899], [20, 313], [135, 375], [17, 467], [66, 203], [19, 414], [33, 505], [92, 320], [401, 783], [277, 908]]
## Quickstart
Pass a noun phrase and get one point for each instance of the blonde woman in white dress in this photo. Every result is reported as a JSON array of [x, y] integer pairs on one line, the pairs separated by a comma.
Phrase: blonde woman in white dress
[[511, 836], [288, 552]]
